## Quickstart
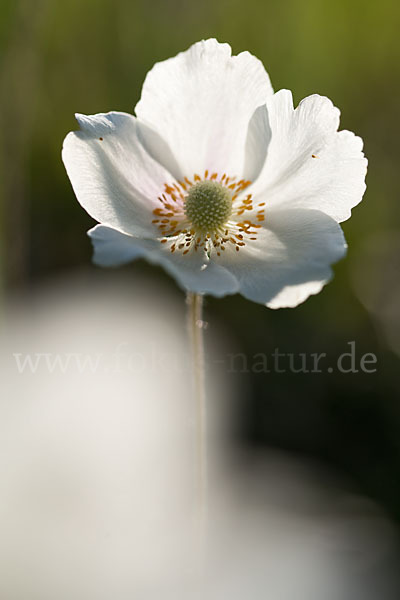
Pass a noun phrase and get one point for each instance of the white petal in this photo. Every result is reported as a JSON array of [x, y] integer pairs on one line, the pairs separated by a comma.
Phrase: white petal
[[290, 259], [114, 178], [201, 103], [159, 150], [257, 142], [309, 163], [192, 272], [111, 248]]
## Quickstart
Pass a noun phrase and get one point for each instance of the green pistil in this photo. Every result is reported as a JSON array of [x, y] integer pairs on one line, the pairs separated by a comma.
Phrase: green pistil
[[208, 205]]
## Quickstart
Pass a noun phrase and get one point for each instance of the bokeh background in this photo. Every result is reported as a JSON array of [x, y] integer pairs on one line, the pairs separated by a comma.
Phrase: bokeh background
[[58, 58]]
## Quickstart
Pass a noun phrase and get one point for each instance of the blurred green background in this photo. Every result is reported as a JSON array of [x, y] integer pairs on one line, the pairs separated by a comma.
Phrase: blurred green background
[[89, 56]]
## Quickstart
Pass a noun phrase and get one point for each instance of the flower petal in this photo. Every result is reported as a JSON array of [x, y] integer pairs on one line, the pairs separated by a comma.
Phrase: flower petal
[[159, 150], [111, 248], [193, 273], [257, 142], [201, 103], [309, 163], [290, 259], [114, 178]]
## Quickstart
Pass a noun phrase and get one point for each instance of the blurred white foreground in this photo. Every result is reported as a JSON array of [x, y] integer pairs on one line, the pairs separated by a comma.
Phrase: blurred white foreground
[[98, 471]]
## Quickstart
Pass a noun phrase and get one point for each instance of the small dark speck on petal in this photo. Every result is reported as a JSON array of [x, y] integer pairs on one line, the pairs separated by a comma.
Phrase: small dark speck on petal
[[101, 139]]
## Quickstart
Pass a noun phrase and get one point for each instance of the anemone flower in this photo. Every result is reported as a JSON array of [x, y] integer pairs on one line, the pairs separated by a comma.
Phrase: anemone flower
[[223, 183], [220, 180]]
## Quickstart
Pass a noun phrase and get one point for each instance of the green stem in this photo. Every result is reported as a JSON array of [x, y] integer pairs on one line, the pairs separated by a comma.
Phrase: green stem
[[196, 326]]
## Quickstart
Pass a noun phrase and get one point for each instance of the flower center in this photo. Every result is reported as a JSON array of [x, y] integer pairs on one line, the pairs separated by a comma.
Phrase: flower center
[[208, 205], [207, 214]]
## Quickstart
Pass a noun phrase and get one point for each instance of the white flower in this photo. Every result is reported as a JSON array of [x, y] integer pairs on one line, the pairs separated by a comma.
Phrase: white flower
[[219, 180]]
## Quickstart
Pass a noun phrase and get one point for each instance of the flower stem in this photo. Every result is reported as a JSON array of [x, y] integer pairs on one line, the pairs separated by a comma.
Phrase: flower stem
[[196, 326]]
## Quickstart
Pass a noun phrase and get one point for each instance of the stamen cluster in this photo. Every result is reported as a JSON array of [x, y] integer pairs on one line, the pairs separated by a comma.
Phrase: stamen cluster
[[204, 214]]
